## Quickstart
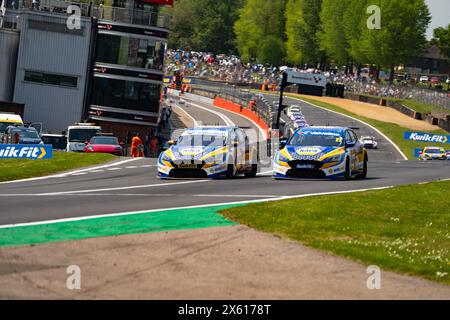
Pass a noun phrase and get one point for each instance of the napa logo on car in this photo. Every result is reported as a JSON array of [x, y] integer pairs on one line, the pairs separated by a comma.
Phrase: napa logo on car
[[308, 151], [193, 151], [426, 137], [26, 151]]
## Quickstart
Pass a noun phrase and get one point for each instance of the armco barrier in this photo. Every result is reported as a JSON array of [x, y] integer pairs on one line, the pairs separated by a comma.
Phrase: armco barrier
[[233, 107]]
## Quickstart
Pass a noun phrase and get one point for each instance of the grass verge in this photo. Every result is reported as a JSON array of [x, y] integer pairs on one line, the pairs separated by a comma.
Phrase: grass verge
[[393, 131], [14, 169], [388, 228]]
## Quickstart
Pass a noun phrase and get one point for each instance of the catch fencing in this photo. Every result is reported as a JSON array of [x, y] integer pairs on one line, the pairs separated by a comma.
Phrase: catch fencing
[[439, 98]]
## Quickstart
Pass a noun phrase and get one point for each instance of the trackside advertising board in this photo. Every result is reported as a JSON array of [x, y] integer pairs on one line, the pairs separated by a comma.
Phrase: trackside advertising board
[[26, 151], [310, 79], [427, 137]]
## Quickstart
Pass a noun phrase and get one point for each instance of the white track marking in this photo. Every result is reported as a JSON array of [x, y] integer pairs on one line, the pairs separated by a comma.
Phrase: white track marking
[[79, 174], [350, 117], [149, 166], [188, 207], [188, 115], [225, 119], [264, 196], [108, 189], [96, 171], [63, 175], [131, 167], [114, 169]]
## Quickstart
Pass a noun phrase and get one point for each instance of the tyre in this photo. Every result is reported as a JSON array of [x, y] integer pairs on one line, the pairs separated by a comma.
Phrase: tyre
[[363, 174], [252, 173], [231, 171], [347, 173]]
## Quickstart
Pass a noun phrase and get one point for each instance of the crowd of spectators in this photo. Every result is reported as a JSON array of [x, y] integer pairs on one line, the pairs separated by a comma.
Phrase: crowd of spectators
[[231, 69], [222, 67]]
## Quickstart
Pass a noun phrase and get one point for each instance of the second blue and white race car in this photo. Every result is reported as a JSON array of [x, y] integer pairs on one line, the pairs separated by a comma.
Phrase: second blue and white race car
[[321, 152], [209, 152]]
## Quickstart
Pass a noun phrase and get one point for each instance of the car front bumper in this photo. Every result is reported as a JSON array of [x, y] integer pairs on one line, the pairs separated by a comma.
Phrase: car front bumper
[[326, 170]]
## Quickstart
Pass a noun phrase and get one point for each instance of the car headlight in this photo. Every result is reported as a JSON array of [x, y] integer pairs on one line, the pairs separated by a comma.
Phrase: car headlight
[[165, 157], [282, 158], [336, 158], [90, 148]]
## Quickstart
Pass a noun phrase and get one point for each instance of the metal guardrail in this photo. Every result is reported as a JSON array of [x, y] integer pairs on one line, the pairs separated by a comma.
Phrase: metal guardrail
[[114, 14]]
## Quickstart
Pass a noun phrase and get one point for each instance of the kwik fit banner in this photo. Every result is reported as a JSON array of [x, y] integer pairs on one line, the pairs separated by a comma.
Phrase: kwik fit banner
[[427, 137], [26, 151]]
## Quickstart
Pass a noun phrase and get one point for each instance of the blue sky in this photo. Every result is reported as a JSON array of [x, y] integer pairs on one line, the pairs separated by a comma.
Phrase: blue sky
[[440, 13]]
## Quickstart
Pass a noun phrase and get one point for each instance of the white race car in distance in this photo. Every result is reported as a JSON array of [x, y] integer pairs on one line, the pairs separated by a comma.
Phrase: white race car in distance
[[369, 142]]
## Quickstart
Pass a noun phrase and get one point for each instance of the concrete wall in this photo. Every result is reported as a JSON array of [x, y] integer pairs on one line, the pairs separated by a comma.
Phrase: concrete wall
[[9, 46], [46, 45]]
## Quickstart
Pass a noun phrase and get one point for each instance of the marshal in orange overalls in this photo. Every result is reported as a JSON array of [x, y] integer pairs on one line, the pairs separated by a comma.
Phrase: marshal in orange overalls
[[136, 144]]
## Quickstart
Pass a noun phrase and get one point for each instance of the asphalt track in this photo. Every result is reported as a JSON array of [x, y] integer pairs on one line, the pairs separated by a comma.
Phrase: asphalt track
[[133, 186]]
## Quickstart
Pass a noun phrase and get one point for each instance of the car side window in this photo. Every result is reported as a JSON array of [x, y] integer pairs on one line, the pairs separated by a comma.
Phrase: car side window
[[348, 138], [233, 136], [354, 136], [240, 136]]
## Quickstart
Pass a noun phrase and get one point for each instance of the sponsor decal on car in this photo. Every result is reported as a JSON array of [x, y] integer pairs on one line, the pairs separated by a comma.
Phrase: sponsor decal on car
[[308, 151], [193, 151]]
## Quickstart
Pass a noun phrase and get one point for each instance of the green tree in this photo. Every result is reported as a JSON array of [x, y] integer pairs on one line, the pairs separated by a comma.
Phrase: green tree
[[442, 40], [303, 28], [182, 25], [332, 36], [259, 21], [294, 20], [214, 25], [204, 25], [402, 34], [354, 23]]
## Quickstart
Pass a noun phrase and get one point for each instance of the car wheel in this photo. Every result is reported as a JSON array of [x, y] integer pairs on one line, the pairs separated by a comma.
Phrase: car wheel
[[230, 171], [363, 174], [347, 174], [252, 173]]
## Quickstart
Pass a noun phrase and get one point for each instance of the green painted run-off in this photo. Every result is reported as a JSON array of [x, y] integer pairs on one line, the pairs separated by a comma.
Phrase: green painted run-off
[[159, 221]]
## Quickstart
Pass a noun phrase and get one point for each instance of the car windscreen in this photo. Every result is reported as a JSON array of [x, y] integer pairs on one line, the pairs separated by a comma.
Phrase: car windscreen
[[26, 133], [4, 125], [82, 135], [434, 151], [58, 143], [201, 140], [314, 140], [104, 140]]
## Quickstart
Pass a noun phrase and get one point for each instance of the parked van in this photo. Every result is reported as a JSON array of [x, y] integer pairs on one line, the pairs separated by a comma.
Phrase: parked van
[[9, 119], [79, 135]]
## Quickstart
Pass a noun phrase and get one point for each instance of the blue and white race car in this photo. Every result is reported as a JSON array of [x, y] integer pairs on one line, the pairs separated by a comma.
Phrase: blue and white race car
[[321, 152], [209, 152]]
